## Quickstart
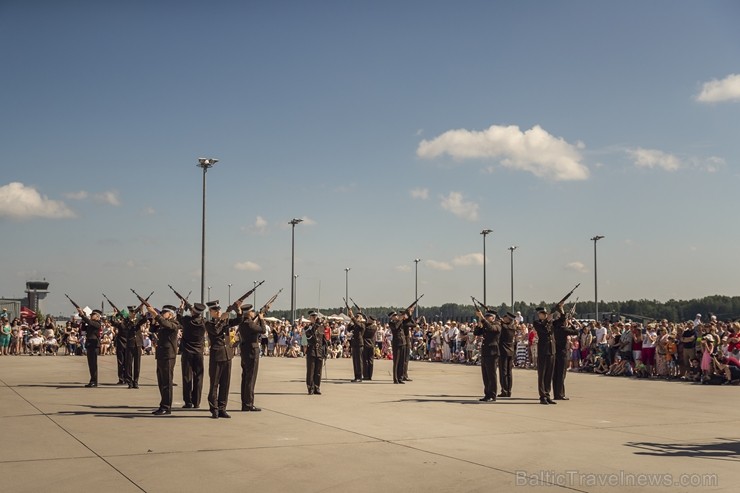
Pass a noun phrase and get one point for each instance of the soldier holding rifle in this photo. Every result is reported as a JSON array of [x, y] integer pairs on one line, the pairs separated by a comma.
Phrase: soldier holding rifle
[[315, 353], [191, 350], [251, 328], [166, 327], [219, 360], [490, 331], [358, 331], [506, 345], [562, 328], [545, 326], [91, 328]]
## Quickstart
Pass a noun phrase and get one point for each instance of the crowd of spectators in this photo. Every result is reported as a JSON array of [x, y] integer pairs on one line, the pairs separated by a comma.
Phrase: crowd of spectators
[[706, 352]]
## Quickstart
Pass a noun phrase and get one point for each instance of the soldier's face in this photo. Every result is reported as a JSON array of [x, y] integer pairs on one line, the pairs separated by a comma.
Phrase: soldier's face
[[542, 316]]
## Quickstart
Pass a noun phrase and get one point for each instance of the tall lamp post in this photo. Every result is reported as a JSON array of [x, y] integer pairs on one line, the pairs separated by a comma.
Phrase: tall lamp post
[[295, 294], [485, 233], [254, 294], [209, 293], [292, 222], [206, 164], [511, 249], [596, 276], [229, 285], [346, 283], [416, 286]]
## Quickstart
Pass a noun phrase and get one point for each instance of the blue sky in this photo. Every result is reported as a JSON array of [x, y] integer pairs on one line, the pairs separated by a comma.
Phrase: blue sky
[[399, 130]]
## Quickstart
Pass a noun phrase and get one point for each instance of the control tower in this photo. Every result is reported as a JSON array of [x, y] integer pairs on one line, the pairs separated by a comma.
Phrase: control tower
[[37, 291]]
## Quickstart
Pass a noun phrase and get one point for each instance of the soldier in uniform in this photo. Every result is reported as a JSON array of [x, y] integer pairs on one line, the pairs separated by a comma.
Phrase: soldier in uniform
[[358, 331], [219, 361], [91, 328], [545, 354], [165, 326], [490, 330], [315, 353], [121, 343], [398, 344], [135, 341], [191, 354], [368, 348], [506, 343], [562, 329], [251, 328], [407, 328]]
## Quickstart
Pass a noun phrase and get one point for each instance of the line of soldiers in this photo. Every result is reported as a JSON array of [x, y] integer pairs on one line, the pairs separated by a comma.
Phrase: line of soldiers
[[194, 327], [498, 347]]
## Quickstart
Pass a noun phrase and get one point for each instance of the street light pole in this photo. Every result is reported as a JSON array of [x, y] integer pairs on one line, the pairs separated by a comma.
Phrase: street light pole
[[229, 294], [295, 295], [416, 286], [292, 222], [511, 249], [485, 233], [346, 283], [209, 293], [596, 277], [204, 163]]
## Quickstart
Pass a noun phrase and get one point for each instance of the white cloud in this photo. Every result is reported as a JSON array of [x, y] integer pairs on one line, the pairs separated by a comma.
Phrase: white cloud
[[420, 193], [403, 268], [653, 158], [149, 211], [260, 225], [18, 201], [468, 260], [81, 195], [577, 267], [433, 264], [248, 266], [534, 150], [455, 204], [308, 221], [718, 91], [110, 197]]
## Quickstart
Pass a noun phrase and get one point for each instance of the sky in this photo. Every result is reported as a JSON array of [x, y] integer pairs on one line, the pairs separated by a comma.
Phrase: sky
[[395, 130]]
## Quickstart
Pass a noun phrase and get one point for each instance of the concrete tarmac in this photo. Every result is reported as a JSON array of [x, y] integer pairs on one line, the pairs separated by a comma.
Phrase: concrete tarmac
[[432, 434]]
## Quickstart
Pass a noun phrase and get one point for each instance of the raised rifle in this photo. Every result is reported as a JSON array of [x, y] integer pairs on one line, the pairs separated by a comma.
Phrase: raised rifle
[[572, 311], [237, 303], [480, 306], [267, 305], [144, 301], [188, 306], [75, 304], [565, 298], [357, 307], [111, 303], [412, 305]]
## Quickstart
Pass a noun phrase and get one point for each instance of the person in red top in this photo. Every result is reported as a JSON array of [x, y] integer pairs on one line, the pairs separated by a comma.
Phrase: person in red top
[[532, 348]]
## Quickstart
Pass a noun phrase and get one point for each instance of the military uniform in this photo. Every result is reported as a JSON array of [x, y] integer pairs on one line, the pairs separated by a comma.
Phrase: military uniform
[[407, 328], [561, 331], [490, 331], [91, 328], [191, 355], [134, 343], [315, 355], [368, 349], [250, 334], [121, 343], [545, 357], [398, 345], [219, 364], [357, 342], [506, 345], [166, 355]]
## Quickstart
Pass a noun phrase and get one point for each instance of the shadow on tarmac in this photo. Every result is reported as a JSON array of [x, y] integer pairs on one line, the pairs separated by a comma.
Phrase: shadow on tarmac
[[721, 449]]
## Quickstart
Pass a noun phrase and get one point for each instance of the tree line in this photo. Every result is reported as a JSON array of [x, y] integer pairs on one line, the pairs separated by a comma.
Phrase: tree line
[[724, 307]]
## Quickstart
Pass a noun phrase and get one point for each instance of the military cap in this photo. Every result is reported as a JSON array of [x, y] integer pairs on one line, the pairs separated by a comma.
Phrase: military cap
[[214, 305], [131, 308], [510, 315], [198, 308], [99, 312], [169, 308], [313, 313], [541, 310], [246, 307], [391, 314], [490, 313]]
